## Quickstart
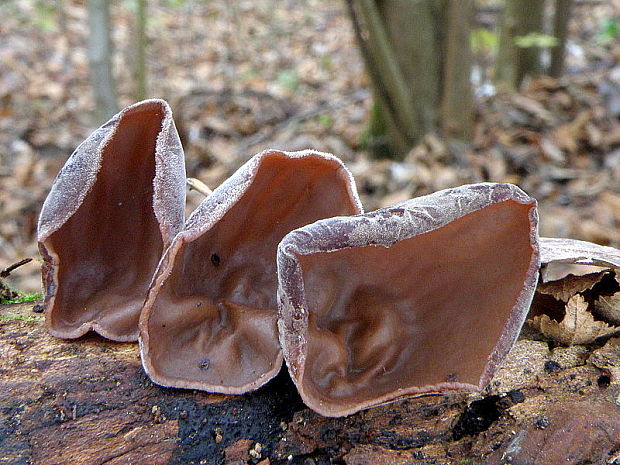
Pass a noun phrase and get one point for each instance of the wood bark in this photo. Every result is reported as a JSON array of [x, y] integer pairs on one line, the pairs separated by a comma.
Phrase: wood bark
[[457, 106], [561, 19], [519, 18], [395, 100], [419, 62], [88, 401], [100, 58]]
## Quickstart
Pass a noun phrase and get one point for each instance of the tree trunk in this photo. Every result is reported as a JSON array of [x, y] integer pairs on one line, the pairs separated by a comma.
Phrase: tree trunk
[[457, 106], [519, 18], [408, 51], [100, 57], [88, 401], [140, 73], [394, 105], [560, 32]]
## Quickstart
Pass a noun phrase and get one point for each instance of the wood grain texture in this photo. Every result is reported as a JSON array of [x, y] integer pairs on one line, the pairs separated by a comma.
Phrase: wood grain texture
[[88, 402]]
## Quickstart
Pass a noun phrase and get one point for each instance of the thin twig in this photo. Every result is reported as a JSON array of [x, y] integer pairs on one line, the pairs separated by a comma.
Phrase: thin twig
[[7, 271], [199, 186]]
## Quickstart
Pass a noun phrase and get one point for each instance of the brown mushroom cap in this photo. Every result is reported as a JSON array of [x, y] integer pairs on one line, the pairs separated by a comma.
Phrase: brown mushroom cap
[[210, 319], [422, 297], [116, 204]]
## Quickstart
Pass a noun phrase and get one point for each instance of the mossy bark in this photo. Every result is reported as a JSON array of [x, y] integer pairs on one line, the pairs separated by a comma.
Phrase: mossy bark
[[457, 105], [560, 32], [417, 54], [514, 63]]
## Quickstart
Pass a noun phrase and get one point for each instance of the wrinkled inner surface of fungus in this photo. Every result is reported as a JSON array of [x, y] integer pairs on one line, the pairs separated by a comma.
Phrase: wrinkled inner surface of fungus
[[427, 310], [213, 322], [109, 248]]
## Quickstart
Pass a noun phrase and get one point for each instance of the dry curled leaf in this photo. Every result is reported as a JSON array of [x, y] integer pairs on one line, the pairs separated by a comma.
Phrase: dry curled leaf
[[577, 327], [577, 309], [558, 250], [608, 308]]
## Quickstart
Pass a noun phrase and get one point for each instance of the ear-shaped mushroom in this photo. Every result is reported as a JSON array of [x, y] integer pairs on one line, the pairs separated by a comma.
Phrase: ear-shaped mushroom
[[210, 319], [557, 250], [114, 207], [423, 297]]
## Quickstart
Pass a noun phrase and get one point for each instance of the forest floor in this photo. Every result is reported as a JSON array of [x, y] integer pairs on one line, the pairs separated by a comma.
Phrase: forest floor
[[245, 76]]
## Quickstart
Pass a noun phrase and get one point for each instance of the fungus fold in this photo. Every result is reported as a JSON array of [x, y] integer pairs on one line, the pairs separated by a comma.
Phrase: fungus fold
[[422, 297], [112, 210], [210, 318]]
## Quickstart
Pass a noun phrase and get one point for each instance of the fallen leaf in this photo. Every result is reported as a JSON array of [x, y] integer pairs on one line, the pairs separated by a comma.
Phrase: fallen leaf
[[577, 327], [607, 308], [570, 134], [533, 107]]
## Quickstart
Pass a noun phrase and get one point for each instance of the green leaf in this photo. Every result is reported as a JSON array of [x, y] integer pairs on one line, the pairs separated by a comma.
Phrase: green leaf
[[483, 41], [27, 297], [609, 31], [28, 318], [536, 39]]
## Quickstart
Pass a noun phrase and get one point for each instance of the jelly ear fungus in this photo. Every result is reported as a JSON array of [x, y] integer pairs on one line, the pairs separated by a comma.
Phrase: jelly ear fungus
[[114, 207], [425, 296], [572, 251], [210, 318]]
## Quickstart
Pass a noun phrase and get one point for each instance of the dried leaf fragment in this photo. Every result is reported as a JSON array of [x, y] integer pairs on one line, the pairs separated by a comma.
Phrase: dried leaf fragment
[[579, 252], [607, 308], [577, 309], [577, 327]]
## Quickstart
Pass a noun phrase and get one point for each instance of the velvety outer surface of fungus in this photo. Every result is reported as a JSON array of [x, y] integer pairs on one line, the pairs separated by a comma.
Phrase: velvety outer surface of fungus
[[425, 296], [114, 207], [210, 320]]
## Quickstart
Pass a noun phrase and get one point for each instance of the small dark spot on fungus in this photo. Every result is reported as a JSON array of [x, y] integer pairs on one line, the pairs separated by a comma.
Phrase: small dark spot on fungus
[[204, 364], [215, 259], [551, 366], [542, 423], [452, 377]]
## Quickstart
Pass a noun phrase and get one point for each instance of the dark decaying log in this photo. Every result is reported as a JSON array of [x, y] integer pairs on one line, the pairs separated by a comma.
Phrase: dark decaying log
[[88, 402]]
